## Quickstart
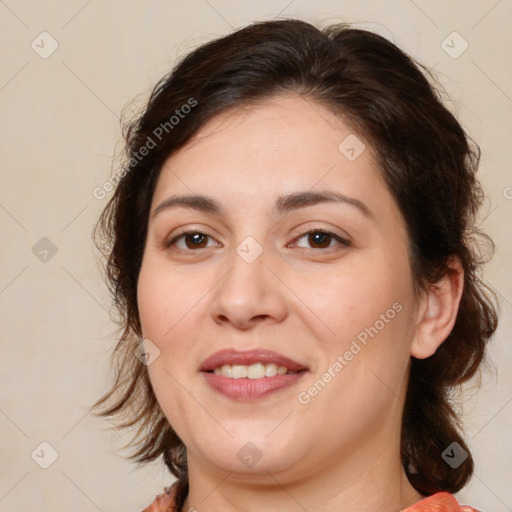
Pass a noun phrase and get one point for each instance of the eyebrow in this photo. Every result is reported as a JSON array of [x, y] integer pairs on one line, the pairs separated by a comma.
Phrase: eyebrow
[[282, 206]]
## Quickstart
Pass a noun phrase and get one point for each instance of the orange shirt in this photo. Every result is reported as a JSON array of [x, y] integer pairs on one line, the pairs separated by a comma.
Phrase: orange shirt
[[440, 502]]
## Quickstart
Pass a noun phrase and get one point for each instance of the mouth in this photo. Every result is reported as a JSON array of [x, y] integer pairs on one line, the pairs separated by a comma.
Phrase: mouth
[[254, 371], [250, 375]]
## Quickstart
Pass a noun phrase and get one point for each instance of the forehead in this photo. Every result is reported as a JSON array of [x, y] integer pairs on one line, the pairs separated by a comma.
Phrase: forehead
[[260, 151]]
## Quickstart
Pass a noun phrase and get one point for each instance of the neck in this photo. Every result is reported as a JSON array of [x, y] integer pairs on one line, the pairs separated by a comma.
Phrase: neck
[[352, 487]]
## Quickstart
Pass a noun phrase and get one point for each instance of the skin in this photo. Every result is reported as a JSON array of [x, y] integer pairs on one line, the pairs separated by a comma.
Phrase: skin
[[305, 299]]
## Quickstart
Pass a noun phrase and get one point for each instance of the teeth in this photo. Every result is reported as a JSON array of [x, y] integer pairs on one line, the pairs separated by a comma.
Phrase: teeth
[[238, 371], [254, 371], [270, 370]]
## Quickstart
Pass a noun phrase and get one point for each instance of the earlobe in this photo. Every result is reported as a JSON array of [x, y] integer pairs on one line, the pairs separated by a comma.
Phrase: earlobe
[[438, 312]]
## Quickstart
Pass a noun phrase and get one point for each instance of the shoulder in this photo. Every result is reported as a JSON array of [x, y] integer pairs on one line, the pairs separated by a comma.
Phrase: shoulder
[[439, 502], [163, 502]]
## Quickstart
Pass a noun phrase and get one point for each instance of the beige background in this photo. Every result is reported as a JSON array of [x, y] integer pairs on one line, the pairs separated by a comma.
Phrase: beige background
[[60, 129]]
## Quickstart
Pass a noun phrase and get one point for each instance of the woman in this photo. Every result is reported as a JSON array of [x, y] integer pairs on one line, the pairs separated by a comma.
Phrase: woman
[[291, 247]]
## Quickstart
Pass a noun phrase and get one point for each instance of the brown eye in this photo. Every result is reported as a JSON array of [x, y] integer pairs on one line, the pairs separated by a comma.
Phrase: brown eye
[[192, 240], [197, 240], [319, 239]]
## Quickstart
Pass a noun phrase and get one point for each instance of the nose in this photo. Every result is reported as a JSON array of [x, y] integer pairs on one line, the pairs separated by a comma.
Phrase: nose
[[249, 294]]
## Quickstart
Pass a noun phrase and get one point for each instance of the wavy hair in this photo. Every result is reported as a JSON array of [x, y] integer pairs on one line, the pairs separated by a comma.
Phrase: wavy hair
[[426, 158]]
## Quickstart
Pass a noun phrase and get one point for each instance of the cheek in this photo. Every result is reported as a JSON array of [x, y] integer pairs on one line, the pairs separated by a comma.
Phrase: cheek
[[165, 311], [165, 299], [153, 304], [365, 311], [353, 298], [171, 304]]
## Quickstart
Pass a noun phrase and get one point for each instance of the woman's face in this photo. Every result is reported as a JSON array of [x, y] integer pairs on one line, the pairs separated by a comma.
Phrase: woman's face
[[251, 284]]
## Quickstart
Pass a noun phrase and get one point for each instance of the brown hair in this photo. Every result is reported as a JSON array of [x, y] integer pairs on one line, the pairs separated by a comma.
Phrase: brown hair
[[425, 157]]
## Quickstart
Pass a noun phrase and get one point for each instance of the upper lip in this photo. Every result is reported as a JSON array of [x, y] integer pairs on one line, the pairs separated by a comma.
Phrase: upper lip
[[248, 357]]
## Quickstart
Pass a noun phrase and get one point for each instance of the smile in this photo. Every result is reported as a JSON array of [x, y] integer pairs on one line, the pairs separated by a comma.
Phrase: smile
[[254, 371], [251, 374]]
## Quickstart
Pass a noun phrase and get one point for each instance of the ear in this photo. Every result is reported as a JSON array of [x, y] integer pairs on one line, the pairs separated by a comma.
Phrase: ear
[[438, 311]]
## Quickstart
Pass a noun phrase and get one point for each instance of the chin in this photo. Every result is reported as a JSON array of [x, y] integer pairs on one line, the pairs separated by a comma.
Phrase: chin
[[253, 454], [253, 464]]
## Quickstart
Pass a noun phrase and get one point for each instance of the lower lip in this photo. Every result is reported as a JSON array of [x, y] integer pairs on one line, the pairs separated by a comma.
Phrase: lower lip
[[247, 390]]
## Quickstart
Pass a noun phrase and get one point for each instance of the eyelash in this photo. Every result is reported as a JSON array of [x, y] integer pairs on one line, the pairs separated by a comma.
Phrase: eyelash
[[342, 241]]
